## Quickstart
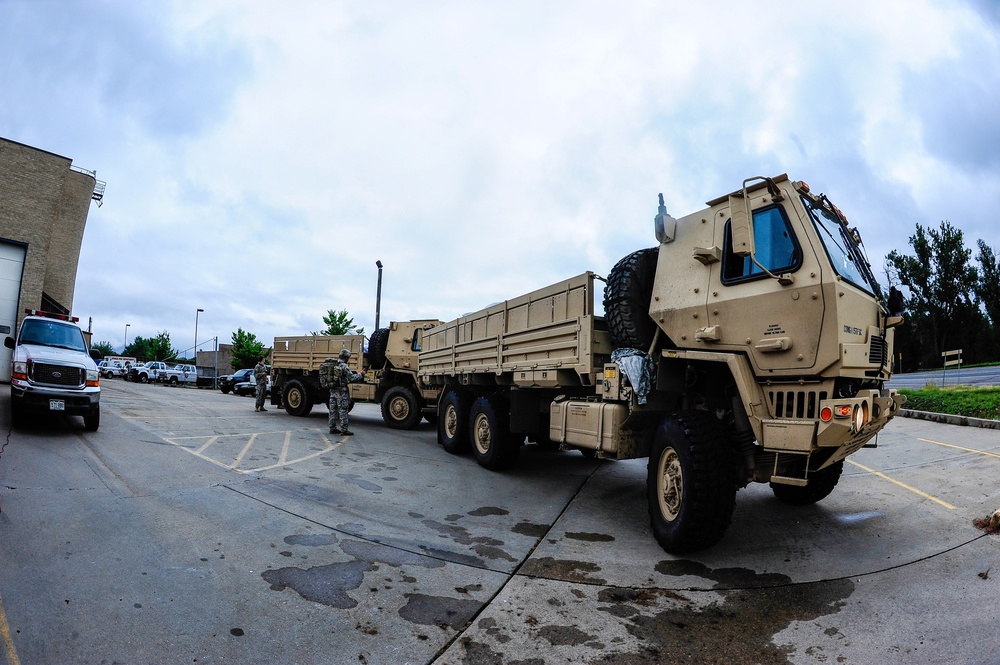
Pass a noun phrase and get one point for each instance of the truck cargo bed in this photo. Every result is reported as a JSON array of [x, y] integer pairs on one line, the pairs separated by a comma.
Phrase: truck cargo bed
[[550, 337]]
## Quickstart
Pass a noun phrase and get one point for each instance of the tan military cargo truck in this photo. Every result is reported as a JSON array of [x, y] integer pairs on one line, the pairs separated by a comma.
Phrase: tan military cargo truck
[[389, 366], [751, 345]]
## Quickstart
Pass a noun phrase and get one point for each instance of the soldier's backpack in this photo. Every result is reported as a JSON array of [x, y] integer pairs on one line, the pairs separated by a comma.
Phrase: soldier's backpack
[[326, 373]]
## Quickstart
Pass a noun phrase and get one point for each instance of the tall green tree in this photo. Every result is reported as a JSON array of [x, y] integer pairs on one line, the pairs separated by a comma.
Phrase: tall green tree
[[151, 348], [988, 288], [941, 280], [104, 348], [339, 323], [247, 349]]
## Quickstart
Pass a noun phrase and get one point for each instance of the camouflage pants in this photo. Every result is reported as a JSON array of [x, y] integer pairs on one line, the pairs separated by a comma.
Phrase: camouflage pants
[[261, 392], [339, 401]]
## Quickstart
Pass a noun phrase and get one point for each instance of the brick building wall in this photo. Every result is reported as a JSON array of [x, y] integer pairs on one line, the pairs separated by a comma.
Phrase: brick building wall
[[43, 206]]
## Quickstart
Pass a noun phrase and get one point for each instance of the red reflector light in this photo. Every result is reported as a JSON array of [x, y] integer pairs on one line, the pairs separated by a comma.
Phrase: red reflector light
[[826, 414]]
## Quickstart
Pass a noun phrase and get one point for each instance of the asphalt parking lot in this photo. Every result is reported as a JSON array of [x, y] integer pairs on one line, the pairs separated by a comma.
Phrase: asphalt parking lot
[[190, 529]]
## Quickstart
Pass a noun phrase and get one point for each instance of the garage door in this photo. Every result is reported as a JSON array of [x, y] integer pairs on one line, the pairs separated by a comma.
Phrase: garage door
[[11, 269]]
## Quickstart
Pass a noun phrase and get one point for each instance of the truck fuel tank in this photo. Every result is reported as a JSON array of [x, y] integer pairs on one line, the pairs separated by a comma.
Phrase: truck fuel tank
[[593, 425]]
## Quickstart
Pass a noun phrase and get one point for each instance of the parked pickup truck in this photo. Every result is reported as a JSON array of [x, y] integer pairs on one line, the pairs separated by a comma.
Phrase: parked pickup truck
[[178, 374], [109, 370], [53, 371], [147, 372]]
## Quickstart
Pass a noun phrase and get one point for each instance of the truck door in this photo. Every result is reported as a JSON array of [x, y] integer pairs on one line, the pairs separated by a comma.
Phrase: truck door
[[769, 305]]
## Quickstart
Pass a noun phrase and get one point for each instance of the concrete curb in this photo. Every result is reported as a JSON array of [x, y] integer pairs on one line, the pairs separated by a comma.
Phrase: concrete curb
[[950, 419]]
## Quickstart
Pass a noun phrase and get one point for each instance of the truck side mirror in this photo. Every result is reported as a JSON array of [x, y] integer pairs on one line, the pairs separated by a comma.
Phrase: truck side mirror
[[8, 342], [664, 225], [742, 230]]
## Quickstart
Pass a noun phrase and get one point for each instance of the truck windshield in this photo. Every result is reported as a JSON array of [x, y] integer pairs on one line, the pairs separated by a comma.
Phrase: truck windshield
[[844, 253], [50, 333]]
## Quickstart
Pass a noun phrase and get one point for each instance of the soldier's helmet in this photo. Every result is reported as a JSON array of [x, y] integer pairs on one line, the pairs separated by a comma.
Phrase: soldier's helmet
[[345, 353]]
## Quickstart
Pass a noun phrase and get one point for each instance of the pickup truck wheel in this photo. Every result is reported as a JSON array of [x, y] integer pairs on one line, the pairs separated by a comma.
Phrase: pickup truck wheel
[[626, 300], [453, 423], [400, 408], [225, 389], [377, 345], [296, 398], [821, 483], [174, 381], [492, 445], [691, 482], [93, 420]]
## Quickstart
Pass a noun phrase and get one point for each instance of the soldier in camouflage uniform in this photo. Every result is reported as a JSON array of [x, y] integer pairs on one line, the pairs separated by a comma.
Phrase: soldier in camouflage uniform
[[340, 396], [260, 375]]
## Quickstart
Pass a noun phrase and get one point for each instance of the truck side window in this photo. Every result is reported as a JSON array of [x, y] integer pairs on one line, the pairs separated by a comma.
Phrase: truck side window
[[417, 336], [776, 248]]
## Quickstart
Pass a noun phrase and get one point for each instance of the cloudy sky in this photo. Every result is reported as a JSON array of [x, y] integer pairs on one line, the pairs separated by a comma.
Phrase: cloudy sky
[[261, 156]]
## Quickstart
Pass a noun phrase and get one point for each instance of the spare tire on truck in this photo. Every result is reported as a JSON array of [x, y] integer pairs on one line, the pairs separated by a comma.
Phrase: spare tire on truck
[[626, 300], [377, 345]]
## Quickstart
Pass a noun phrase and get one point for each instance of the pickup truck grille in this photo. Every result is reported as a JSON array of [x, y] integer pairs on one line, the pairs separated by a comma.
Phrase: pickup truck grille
[[56, 375]]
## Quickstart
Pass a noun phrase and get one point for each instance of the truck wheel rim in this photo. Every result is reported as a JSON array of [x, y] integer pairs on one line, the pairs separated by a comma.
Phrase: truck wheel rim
[[450, 421], [399, 408], [670, 484], [482, 434], [294, 399]]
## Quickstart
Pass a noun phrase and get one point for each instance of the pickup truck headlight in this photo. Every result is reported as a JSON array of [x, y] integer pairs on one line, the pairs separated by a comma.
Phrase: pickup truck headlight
[[93, 378], [20, 371]]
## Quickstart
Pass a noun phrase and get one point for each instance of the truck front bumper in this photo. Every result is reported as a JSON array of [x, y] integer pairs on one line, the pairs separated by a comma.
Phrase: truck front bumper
[[28, 397]]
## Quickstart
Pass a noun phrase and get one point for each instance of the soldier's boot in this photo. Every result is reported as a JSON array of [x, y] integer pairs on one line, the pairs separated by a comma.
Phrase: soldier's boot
[[347, 433]]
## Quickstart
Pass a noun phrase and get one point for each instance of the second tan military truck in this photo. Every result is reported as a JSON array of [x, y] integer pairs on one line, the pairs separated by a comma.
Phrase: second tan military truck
[[389, 366], [751, 345]]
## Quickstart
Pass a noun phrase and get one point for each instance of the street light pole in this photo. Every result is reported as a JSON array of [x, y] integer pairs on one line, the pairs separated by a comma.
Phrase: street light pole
[[199, 311], [378, 294], [126, 338]]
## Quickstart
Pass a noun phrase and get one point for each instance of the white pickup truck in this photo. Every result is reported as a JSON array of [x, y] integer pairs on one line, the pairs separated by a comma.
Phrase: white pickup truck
[[53, 371], [146, 372], [178, 374]]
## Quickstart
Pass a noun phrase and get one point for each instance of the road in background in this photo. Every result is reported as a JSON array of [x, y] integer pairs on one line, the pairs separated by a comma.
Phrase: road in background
[[981, 377], [191, 529]]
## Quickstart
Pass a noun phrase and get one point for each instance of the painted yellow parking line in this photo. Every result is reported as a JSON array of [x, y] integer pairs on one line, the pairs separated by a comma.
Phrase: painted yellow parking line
[[968, 450], [246, 449], [5, 637], [903, 485], [284, 449], [234, 465]]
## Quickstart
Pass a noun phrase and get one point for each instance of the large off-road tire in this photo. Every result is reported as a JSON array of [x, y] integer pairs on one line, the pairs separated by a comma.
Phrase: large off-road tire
[[691, 482], [93, 420], [377, 345], [821, 483], [453, 423], [296, 398], [400, 408], [627, 296], [489, 429]]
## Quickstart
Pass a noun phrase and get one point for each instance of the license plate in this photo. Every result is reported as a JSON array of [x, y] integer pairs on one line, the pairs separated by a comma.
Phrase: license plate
[[57, 405]]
